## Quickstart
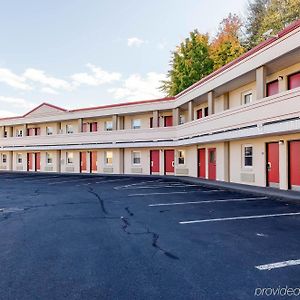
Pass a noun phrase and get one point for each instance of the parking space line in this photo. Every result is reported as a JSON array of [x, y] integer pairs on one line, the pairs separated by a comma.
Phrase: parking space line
[[104, 181], [72, 180], [208, 201], [42, 178], [277, 265], [161, 187], [240, 218], [183, 192], [134, 184]]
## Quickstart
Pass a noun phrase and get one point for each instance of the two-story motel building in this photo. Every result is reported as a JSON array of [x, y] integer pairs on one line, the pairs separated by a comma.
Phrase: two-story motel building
[[240, 124]]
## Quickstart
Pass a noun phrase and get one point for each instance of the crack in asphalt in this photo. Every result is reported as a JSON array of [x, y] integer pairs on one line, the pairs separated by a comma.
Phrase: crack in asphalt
[[155, 238], [91, 190], [129, 212]]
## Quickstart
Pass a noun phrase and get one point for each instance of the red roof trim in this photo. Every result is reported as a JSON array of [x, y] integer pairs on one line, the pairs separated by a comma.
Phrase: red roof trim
[[260, 46], [124, 104]]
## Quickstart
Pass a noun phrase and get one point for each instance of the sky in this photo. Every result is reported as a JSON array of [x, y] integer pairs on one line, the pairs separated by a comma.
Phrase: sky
[[83, 53]]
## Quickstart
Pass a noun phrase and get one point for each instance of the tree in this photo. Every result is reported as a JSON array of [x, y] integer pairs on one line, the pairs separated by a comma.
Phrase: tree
[[190, 62], [256, 13], [279, 14], [226, 46], [264, 15]]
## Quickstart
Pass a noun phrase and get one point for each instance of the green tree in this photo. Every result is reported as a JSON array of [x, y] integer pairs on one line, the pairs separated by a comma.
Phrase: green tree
[[257, 10], [279, 14], [226, 46], [190, 62], [264, 15]]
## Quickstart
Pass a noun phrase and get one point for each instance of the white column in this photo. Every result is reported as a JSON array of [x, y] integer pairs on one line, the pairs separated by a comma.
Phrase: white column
[[190, 111], [155, 119], [175, 114], [211, 103], [115, 122], [79, 125], [261, 82], [283, 165]]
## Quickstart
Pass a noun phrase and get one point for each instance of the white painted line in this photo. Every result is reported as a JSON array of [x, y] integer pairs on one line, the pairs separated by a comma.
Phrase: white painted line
[[42, 178], [104, 181], [72, 180], [277, 265], [183, 192], [134, 184], [240, 218], [161, 187], [208, 201]]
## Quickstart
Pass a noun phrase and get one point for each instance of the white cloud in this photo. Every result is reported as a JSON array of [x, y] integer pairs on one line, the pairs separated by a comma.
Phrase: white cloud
[[135, 42], [98, 76], [48, 90], [46, 80], [13, 80], [137, 88], [17, 102], [6, 114]]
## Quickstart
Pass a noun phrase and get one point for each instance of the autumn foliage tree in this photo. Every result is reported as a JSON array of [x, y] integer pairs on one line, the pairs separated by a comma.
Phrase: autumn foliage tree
[[226, 46]]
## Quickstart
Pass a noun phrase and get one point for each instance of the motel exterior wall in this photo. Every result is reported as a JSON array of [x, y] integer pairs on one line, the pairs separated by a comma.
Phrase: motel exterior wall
[[229, 126]]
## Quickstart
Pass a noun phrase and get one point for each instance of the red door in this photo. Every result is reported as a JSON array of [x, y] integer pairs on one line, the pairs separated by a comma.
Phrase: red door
[[29, 161], [199, 114], [84, 127], [201, 163], [294, 81], [273, 164], [212, 173], [154, 161], [82, 161], [37, 161], [294, 165], [168, 121], [272, 88], [94, 161], [94, 127], [169, 161]]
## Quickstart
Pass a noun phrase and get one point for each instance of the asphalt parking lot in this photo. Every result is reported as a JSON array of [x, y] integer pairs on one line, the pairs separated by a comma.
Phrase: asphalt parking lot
[[118, 237]]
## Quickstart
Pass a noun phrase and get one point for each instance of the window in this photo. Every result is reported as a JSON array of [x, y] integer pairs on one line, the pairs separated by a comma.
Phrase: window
[[19, 133], [108, 125], [181, 119], [136, 157], [108, 158], [69, 129], [37, 131], [49, 158], [247, 98], [247, 156], [70, 157], [49, 130], [4, 158], [181, 157], [136, 124], [19, 158], [205, 111], [5, 134]]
